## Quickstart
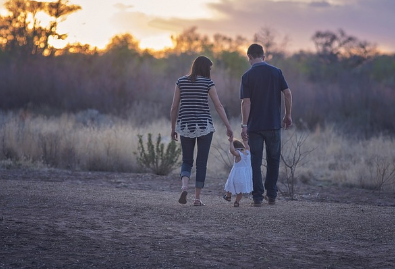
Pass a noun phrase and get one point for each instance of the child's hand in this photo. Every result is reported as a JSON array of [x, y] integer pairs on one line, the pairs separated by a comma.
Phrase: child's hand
[[230, 139]]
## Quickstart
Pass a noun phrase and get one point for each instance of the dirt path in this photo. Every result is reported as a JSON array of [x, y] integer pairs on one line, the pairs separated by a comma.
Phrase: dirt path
[[61, 219]]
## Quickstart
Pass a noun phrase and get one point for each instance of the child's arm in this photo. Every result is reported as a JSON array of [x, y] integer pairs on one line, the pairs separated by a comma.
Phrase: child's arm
[[245, 142], [232, 148]]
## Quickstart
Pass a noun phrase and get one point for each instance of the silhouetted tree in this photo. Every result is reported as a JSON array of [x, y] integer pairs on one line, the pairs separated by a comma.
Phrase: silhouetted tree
[[225, 43], [21, 32], [123, 42], [189, 41], [77, 48], [333, 47], [268, 38]]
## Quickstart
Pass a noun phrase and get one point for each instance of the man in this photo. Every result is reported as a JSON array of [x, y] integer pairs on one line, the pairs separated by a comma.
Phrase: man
[[260, 91]]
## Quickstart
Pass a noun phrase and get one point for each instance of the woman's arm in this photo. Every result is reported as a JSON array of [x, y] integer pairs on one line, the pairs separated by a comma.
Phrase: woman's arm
[[220, 110], [174, 112]]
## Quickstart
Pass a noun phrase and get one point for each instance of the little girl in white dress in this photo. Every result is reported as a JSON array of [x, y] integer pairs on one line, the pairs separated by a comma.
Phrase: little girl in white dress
[[240, 177]]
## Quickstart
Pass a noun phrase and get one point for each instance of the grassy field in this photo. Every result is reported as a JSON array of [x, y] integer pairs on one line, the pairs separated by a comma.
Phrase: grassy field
[[90, 141]]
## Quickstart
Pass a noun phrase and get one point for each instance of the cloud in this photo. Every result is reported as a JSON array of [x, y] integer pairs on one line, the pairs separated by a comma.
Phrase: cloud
[[137, 23], [298, 20], [122, 7], [320, 4]]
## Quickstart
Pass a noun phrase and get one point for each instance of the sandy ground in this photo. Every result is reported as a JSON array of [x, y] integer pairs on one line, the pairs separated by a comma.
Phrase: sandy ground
[[65, 219]]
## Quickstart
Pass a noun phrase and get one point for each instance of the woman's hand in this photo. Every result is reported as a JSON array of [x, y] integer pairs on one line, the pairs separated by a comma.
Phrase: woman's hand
[[174, 136], [229, 132]]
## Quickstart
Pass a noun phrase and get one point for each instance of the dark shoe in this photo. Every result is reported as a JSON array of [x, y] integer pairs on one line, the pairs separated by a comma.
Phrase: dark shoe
[[271, 201], [236, 204], [183, 198], [227, 198], [256, 204]]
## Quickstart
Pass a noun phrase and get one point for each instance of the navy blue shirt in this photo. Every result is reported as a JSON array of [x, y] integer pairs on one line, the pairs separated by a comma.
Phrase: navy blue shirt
[[263, 84]]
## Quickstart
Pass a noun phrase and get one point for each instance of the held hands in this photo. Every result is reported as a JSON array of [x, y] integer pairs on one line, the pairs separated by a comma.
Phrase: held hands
[[244, 134], [229, 133]]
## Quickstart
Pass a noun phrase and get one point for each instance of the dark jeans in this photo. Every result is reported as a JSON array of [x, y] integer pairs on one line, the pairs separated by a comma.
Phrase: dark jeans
[[203, 149], [272, 142]]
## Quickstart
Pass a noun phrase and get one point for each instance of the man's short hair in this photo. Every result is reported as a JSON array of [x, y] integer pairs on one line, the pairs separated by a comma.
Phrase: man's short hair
[[255, 50]]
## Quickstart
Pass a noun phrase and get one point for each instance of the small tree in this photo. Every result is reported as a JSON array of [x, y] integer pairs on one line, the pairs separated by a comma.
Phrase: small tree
[[155, 158], [292, 156], [223, 155], [382, 172]]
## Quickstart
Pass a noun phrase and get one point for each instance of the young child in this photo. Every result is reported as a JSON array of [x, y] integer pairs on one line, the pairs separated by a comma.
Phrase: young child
[[240, 177]]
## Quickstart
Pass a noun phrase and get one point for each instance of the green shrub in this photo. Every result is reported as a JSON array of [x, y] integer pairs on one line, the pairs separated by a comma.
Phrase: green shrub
[[155, 158]]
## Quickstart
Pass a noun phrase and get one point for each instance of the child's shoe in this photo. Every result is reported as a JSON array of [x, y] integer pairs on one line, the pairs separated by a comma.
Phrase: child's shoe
[[227, 198]]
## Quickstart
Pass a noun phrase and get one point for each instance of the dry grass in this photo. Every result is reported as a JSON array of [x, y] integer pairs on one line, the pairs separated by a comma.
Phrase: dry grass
[[91, 141], [72, 142], [342, 160]]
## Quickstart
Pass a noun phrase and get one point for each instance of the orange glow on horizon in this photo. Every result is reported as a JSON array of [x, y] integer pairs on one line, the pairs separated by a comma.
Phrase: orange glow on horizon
[[152, 23]]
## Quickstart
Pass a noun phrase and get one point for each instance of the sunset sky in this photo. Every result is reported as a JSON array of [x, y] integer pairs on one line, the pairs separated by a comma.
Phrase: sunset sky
[[152, 22]]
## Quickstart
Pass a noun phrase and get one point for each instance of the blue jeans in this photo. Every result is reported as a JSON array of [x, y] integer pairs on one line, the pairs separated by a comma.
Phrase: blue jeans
[[272, 141], [203, 149]]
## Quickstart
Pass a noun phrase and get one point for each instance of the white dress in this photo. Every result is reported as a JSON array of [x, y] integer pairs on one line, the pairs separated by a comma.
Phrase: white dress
[[240, 177]]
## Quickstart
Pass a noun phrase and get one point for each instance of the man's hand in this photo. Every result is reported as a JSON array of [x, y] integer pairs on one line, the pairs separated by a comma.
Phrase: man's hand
[[287, 122], [244, 134]]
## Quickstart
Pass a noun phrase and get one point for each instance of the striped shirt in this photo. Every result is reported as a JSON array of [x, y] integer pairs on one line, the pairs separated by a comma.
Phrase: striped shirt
[[194, 117]]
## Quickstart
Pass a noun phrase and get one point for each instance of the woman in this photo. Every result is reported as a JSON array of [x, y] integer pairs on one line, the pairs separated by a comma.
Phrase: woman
[[191, 119]]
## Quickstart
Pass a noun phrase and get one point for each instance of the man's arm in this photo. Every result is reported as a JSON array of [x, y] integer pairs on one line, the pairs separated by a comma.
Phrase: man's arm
[[245, 114], [287, 120]]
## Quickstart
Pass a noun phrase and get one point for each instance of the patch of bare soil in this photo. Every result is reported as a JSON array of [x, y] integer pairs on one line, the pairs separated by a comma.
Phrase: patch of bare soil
[[66, 219]]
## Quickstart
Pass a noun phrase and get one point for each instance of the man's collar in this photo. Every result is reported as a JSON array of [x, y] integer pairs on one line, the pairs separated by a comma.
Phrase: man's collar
[[258, 64]]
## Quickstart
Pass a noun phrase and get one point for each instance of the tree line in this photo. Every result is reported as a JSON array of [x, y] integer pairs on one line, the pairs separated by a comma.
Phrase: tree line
[[344, 81]]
